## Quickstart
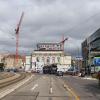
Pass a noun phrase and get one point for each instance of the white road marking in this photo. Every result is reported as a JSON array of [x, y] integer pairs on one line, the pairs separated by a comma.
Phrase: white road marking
[[13, 88], [51, 90], [36, 85], [51, 86]]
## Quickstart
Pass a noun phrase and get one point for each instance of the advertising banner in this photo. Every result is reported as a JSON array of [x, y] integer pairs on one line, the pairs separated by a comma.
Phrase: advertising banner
[[96, 62]]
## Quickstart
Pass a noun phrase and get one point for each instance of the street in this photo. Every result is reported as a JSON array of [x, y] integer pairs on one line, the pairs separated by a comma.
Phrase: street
[[50, 87], [45, 87], [85, 89], [49, 50]]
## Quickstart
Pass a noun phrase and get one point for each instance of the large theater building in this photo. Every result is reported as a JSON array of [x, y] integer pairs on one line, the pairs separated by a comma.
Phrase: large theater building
[[49, 53]]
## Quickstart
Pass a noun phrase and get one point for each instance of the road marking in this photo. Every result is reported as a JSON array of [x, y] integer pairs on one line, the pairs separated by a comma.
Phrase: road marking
[[72, 92], [67, 87], [51, 84], [36, 85], [13, 88], [51, 91]]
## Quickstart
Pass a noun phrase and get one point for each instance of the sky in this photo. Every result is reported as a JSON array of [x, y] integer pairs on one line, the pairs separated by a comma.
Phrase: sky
[[47, 21]]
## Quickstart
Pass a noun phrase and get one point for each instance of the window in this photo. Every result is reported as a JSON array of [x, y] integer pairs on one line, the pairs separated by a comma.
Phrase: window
[[53, 59], [58, 59], [43, 59], [48, 59], [37, 59]]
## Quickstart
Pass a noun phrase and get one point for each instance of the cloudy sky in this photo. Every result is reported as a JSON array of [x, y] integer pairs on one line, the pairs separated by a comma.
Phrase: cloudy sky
[[47, 21]]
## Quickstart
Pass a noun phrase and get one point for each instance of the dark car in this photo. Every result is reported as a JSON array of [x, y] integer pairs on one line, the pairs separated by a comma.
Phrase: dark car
[[59, 73]]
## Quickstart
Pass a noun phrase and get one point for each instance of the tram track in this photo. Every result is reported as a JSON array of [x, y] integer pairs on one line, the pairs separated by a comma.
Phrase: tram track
[[4, 75], [12, 80]]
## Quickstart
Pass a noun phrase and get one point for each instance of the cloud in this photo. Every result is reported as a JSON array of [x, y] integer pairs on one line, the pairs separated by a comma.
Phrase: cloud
[[48, 20]]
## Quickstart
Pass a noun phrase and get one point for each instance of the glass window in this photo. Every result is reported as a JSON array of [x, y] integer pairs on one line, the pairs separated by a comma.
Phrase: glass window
[[53, 59], [43, 59], [48, 59], [37, 59], [58, 59]]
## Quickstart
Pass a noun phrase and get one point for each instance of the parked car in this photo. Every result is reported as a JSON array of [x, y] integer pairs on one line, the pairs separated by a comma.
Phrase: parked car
[[59, 73], [71, 72], [7, 70], [12, 70]]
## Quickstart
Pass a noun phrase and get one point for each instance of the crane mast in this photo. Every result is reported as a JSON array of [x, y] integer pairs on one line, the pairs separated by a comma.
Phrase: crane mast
[[62, 42], [17, 35]]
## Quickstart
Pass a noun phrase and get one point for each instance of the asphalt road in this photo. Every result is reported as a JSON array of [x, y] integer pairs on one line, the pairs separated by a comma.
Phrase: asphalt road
[[44, 87], [50, 87], [84, 89]]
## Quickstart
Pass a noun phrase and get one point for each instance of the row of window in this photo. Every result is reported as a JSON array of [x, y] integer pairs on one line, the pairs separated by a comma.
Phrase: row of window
[[96, 44], [48, 59]]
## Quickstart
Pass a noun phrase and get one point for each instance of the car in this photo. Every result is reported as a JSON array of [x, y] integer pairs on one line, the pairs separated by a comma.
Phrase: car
[[7, 70], [71, 72], [59, 73]]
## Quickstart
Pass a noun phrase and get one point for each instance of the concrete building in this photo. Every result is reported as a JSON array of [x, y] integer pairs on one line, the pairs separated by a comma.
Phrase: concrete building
[[91, 49], [49, 53], [2, 55], [1, 58], [10, 61], [77, 62]]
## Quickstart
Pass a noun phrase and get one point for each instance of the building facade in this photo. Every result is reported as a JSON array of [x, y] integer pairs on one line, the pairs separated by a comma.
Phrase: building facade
[[49, 47], [10, 61], [91, 49], [85, 53], [47, 54]]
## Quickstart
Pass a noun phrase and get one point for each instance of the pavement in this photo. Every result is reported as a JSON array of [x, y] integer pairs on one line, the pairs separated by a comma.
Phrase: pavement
[[51, 87], [44, 87], [89, 78], [85, 89], [86, 77]]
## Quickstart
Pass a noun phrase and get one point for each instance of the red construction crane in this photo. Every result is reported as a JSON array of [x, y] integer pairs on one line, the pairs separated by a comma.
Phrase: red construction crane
[[62, 42], [17, 35]]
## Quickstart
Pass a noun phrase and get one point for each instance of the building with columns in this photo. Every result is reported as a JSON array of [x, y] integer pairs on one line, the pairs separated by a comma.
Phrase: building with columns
[[47, 54]]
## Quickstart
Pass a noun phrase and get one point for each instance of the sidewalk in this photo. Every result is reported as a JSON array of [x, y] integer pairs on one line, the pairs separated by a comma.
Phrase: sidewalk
[[89, 78]]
